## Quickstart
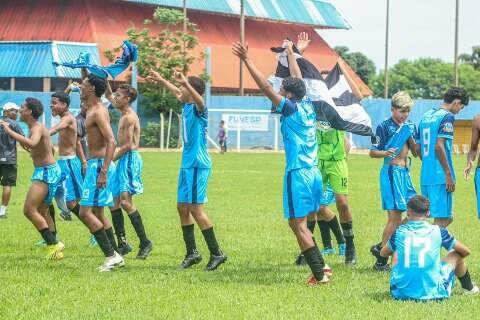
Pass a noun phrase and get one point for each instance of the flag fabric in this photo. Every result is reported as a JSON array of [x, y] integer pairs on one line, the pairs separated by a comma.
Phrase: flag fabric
[[84, 60], [319, 91]]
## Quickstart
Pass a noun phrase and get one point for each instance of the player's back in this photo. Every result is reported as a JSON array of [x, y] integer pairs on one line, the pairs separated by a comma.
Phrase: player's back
[[299, 134], [194, 135], [417, 272], [435, 123]]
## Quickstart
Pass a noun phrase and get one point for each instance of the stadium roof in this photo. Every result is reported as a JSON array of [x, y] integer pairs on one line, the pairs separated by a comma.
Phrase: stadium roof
[[308, 12], [34, 59]]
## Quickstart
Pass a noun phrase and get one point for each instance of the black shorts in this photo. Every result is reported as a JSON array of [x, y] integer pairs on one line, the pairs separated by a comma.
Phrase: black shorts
[[8, 174]]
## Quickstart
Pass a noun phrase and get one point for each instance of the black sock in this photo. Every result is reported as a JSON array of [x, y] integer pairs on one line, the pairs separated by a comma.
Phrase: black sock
[[315, 261], [76, 210], [325, 233], [466, 281], [189, 238], [212, 244], [51, 212], [111, 238], [348, 234], [48, 236], [137, 223], [103, 242], [382, 260], [118, 224], [337, 232], [311, 226]]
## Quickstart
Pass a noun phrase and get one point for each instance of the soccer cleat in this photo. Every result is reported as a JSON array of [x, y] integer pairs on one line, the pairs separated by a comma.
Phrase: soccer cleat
[[381, 267], [124, 248], [328, 251], [342, 247], [300, 261], [191, 259], [65, 216], [145, 251], [115, 261], [327, 270], [55, 251], [375, 250], [92, 242], [350, 257], [215, 261], [312, 281], [475, 290]]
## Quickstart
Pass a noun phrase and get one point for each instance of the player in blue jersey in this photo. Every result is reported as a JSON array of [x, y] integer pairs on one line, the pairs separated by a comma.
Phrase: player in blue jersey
[[395, 137], [195, 169], [419, 273], [435, 136], [302, 182], [472, 154]]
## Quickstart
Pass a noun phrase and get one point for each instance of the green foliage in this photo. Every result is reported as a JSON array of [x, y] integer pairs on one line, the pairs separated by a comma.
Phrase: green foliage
[[360, 63], [150, 135], [426, 78], [471, 58], [163, 52]]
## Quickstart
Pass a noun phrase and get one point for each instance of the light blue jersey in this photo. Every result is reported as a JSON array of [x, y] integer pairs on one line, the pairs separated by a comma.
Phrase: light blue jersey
[[194, 135], [392, 135], [419, 273], [298, 132], [436, 123]]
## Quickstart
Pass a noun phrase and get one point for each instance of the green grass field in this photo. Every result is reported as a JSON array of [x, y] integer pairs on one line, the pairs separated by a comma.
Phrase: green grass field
[[259, 280]]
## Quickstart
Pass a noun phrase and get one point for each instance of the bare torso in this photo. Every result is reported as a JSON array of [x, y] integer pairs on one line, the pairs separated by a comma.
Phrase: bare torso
[[96, 141], [401, 159], [42, 153], [67, 138], [128, 121]]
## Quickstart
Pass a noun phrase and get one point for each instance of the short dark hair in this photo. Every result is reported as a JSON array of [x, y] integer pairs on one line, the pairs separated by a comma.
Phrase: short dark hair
[[198, 84], [419, 204], [35, 106], [131, 91], [296, 86], [456, 93], [99, 84], [63, 97]]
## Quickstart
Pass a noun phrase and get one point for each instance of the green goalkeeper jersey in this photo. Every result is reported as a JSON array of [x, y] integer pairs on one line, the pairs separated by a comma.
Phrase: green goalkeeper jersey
[[331, 145]]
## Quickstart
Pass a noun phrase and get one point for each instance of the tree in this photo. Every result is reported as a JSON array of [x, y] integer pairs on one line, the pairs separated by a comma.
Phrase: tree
[[360, 63], [426, 78], [472, 59]]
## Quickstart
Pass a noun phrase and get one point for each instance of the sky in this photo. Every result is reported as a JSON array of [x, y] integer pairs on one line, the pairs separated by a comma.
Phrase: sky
[[418, 28]]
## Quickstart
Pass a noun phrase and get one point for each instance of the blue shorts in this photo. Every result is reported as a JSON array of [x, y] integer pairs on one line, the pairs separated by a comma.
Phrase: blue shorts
[[328, 196], [477, 190], [91, 195], [72, 172], [128, 174], [50, 175], [441, 201], [302, 191], [396, 187], [192, 185]]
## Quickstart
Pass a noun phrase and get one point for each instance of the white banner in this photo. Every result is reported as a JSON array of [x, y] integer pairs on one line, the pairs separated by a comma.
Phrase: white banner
[[246, 122]]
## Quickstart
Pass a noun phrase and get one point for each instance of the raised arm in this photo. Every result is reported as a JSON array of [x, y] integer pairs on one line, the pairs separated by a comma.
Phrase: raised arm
[[103, 123], [31, 142], [109, 93], [303, 42], [156, 77], [472, 153], [64, 123], [180, 77], [128, 139], [292, 61], [242, 52]]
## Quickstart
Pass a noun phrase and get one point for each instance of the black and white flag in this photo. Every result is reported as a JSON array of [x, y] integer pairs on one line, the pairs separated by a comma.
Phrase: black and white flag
[[348, 115]]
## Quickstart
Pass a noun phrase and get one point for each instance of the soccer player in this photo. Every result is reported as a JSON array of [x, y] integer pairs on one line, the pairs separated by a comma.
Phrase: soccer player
[[419, 273], [46, 175], [67, 148], [96, 193], [195, 169], [395, 137], [222, 137], [333, 166], [302, 182], [437, 178], [128, 171], [8, 155]]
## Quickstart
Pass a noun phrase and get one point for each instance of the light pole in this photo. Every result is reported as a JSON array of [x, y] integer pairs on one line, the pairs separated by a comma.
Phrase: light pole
[[385, 81], [242, 40], [455, 61]]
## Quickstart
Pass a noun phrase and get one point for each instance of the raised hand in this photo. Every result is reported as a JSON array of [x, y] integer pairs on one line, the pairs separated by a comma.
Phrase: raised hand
[[180, 77], [303, 41], [240, 50], [288, 44], [154, 76]]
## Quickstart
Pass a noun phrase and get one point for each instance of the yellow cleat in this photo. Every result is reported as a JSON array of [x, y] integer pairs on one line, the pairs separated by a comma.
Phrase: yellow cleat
[[55, 251]]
